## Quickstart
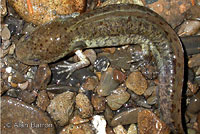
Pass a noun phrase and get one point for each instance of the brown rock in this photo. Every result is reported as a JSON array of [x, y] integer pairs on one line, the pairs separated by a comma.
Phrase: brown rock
[[42, 77], [109, 50], [18, 117], [90, 83], [119, 76], [137, 83], [117, 98], [85, 128], [193, 87], [98, 103], [61, 107], [194, 61], [84, 106], [108, 114], [120, 130], [43, 100], [5, 33], [109, 130], [149, 123], [39, 12], [78, 120]]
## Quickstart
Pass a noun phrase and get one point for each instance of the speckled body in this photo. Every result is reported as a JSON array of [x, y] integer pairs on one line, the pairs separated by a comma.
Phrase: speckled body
[[116, 25]]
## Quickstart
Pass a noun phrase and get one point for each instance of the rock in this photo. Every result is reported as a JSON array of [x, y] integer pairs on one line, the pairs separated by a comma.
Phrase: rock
[[107, 84], [194, 105], [109, 130], [85, 128], [27, 96], [137, 83], [99, 103], [117, 98], [61, 107], [198, 122], [18, 117], [198, 71], [193, 87], [149, 123], [84, 105], [109, 50], [108, 114], [150, 70], [42, 77], [76, 119], [152, 99], [3, 9], [132, 129], [5, 34], [90, 83], [119, 76], [191, 131], [40, 12], [120, 130], [43, 100], [23, 86], [99, 123], [194, 61], [130, 116], [149, 91]]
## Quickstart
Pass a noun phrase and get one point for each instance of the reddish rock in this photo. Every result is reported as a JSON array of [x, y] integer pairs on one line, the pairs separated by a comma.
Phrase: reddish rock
[[149, 123]]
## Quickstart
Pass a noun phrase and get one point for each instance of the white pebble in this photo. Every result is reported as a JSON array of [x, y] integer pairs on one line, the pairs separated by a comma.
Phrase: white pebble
[[99, 124]]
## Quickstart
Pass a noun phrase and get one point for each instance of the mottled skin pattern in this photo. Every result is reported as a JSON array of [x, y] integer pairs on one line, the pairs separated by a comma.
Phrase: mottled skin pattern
[[115, 25]]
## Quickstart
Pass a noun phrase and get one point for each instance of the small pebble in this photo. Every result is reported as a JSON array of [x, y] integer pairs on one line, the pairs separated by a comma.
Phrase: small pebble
[[84, 106], [99, 103], [101, 64], [193, 87], [119, 76], [42, 77], [27, 96], [129, 116], [191, 131], [76, 119], [24, 85], [5, 34], [120, 130], [107, 83], [149, 91], [137, 83], [108, 114], [117, 98], [132, 129], [90, 83], [43, 100], [148, 123], [85, 128], [152, 99], [61, 107], [194, 61]]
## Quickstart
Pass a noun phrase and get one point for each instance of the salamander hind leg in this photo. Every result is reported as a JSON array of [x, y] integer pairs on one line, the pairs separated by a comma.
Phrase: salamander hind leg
[[71, 67]]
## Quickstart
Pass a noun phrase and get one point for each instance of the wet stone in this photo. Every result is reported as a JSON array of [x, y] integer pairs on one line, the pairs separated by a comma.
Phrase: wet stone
[[117, 98], [137, 83], [76, 119], [84, 105], [90, 83], [149, 123], [120, 130], [61, 107], [152, 99], [85, 128], [42, 77], [109, 130], [108, 114], [23, 118], [119, 76], [27, 96], [107, 83], [43, 100], [99, 103], [132, 129], [194, 61], [129, 116], [193, 87], [5, 34], [150, 91], [194, 105]]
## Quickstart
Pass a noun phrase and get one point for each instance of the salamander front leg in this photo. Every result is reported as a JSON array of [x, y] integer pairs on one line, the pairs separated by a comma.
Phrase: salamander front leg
[[71, 67]]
